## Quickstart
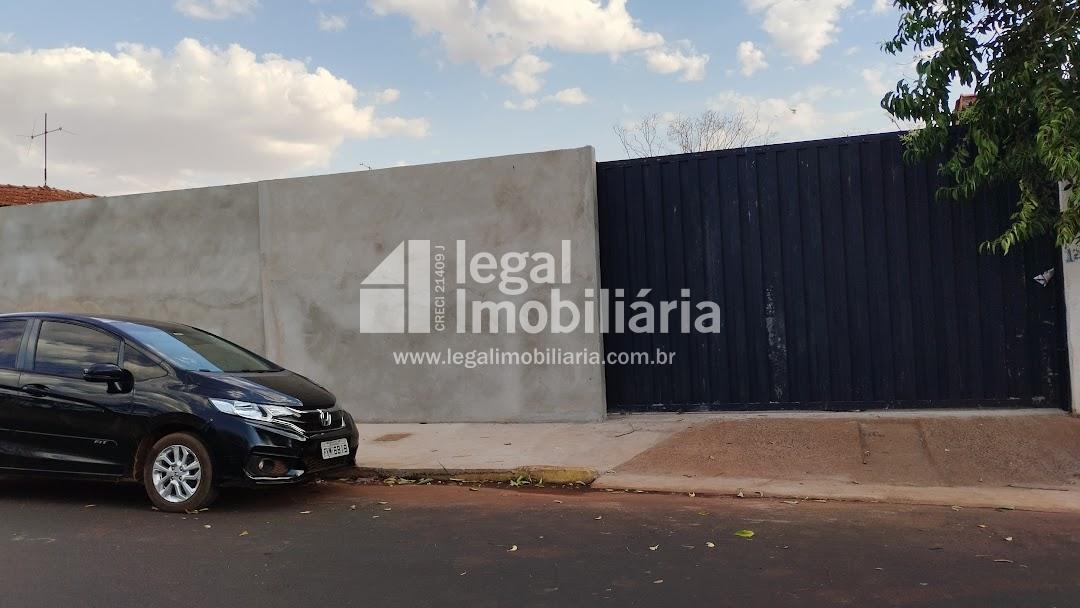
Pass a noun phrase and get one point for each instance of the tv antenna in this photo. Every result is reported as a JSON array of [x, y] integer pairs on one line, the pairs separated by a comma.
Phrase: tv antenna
[[44, 135]]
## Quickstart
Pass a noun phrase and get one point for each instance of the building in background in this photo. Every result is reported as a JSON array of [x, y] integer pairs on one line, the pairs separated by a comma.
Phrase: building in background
[[28, 195]]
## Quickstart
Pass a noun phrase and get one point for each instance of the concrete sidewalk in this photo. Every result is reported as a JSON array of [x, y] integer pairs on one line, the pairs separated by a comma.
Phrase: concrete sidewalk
[[1023, 459]]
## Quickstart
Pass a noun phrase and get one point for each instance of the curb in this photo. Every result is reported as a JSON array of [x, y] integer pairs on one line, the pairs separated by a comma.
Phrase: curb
[[536, 473], [1053, 500]]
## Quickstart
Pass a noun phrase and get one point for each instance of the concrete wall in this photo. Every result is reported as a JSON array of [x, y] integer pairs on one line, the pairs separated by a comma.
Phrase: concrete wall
[[190, 256], [1070, 265], [278, 266]]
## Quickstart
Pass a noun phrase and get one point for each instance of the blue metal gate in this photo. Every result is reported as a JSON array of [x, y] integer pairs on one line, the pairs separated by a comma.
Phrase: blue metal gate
[[842, 284]]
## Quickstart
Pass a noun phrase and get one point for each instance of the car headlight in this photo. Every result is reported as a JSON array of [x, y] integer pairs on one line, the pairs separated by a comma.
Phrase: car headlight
[[277, 414]]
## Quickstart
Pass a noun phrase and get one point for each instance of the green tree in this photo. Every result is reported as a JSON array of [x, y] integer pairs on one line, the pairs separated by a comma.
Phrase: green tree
[[1020, 58]]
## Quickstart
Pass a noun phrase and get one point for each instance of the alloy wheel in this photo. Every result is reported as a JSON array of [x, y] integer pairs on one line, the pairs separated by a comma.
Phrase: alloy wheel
[[177, 473]]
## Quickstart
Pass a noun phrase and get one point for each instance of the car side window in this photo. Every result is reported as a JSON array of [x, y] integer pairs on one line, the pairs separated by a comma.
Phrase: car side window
[[66, 349], [11, 334], [141, 366], [11, 338]]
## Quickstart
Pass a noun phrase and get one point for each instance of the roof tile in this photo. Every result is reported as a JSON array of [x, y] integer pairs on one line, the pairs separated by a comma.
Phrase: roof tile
[[28, 195]]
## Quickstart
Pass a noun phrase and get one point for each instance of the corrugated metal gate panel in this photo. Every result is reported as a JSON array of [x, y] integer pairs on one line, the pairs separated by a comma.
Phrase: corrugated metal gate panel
[[843, 284]]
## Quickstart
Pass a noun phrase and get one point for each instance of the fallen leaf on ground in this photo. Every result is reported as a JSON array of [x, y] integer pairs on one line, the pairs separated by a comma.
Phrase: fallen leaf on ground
[[304, 512], [88, 506], [512, 548], [474, 489], [982, 525], [244, 533], [383, 502], [654, 547], [1008, 539], [739, 494], [1003, 561], [744, 533], [352, 507], [658, 581], [956, 507], [691, 495], [559, 502], [710, 545], [207, 526], [599, 517]]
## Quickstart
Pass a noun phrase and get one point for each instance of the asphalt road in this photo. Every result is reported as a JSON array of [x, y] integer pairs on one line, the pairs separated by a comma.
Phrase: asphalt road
[[336, 544]]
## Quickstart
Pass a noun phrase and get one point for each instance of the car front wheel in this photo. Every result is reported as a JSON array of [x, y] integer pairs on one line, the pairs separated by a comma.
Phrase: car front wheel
[[178, 475]]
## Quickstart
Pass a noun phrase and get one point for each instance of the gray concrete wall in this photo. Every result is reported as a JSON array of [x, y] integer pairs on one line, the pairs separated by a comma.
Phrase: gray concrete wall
[[190, 256], [278, 266], [1070, 265]]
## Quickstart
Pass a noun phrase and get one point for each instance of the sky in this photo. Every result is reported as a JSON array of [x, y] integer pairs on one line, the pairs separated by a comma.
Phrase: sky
[[166, 94]]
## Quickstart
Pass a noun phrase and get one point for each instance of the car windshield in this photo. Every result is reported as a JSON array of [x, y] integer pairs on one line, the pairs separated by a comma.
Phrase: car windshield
[[196, 350]]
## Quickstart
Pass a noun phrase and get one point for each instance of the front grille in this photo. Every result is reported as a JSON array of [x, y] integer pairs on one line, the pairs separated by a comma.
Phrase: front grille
[[312, 421]]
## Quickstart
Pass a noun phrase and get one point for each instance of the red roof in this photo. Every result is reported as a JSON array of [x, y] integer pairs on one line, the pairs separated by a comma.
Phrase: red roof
[[28, 195], [963, 102]]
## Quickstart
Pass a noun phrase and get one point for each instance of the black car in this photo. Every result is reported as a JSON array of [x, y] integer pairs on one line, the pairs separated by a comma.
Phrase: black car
[[175, 407]]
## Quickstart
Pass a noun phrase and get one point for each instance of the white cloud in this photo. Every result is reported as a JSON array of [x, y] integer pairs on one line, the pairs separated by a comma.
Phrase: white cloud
[[526, 104], [881, 6], [149, 119], [799, 117], [570, 97], [215, 9], [801, 28], [573, 96], [523, 75], [669, 60], [332, 23], [751, 59], [387, 96], [874, 81], [495, 33]]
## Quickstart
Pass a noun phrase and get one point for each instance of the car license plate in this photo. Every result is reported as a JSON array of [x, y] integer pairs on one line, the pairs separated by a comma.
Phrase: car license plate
[[335, 448]]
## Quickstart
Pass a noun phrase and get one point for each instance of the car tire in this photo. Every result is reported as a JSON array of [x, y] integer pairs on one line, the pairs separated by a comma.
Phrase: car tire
[[178, 475]]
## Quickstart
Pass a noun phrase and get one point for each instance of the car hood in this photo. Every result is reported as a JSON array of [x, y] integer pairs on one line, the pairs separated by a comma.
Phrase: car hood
[[280, 388]]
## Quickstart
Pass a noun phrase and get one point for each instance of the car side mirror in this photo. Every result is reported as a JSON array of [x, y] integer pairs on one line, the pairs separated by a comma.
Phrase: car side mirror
[[119, 380]]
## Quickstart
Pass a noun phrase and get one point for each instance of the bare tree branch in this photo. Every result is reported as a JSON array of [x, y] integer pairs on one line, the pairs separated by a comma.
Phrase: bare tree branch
[[641, 139], [710, 130]]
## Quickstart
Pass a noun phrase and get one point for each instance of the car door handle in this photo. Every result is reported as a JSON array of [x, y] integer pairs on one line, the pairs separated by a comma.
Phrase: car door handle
[[37, 390]]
